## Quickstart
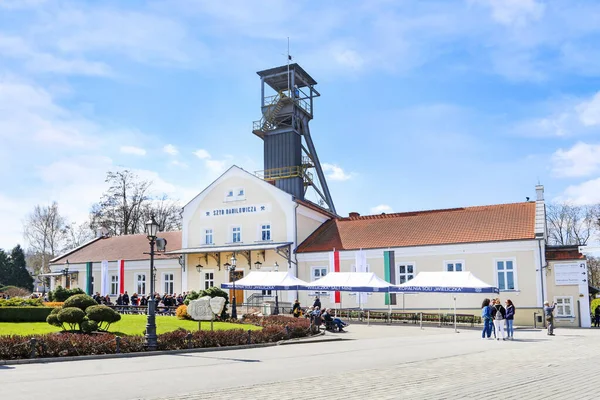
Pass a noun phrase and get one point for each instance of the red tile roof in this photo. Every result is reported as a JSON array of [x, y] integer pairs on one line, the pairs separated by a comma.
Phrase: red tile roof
[[128, 247], [458, 225], [555, 253]]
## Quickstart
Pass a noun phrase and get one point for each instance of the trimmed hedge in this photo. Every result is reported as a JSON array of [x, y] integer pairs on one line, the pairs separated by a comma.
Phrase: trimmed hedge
[[73, 344], [24, 314], [20, 302]]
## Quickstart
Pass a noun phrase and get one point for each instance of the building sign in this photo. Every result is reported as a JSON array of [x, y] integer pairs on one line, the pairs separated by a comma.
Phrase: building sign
[[237, 210], [570, 274]]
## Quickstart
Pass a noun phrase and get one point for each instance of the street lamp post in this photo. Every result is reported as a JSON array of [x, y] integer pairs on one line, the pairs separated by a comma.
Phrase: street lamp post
[[231, 268], [151, 340], [276, 310]]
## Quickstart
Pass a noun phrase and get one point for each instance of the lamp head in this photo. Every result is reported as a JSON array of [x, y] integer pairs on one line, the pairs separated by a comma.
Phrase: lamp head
[[276, 267], [151, 228], [257, 265], [199, 268], [233, 260]]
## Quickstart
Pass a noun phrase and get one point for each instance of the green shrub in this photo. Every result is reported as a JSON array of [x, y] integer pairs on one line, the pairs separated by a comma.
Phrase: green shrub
[[20, 302], [62, 294], [52, 319], [56, 310], [81, 301], [72, 316], [89, 326], [24, 314], [103, 315]]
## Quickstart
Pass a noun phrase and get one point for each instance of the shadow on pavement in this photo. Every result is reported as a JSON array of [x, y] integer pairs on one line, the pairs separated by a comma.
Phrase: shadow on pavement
[[218, 358]]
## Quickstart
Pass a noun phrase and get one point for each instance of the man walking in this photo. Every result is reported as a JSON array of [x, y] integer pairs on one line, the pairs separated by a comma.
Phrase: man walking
[[597, 316], [548, 312]]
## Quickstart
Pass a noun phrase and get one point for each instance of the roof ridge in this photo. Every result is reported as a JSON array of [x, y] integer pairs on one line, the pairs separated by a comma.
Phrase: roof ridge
[[431, 211]]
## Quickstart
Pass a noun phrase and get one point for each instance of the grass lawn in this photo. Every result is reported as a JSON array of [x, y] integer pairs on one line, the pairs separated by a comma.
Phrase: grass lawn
[[128, 325]]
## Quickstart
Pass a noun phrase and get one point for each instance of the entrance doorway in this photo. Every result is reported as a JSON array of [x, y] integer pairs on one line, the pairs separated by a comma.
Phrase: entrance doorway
[[239, 294]]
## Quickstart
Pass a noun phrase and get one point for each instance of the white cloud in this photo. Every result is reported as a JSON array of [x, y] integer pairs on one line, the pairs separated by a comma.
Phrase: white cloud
[[580, 160], [382, 208], [584, 193], [589, 111], [334, 172], [133, 150], [567, 117], [179, 164], [202, 154], [170, 149], [515, 12]]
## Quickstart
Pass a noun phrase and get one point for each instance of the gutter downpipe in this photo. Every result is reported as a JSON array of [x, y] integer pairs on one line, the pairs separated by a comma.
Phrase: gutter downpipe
[[542, 279]]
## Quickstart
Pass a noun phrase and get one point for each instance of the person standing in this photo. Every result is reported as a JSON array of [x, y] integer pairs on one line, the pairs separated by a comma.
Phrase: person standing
[[317, 302], [126, 299], [548, 312], [510, 316], [597, 316], [486, 316], [296, 309], [499, 315]]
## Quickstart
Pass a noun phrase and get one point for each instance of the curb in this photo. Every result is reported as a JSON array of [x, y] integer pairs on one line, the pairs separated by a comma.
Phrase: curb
[[167, 352]]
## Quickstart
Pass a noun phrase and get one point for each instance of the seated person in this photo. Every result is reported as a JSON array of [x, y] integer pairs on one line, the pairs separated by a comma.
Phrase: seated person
[[336, 321]]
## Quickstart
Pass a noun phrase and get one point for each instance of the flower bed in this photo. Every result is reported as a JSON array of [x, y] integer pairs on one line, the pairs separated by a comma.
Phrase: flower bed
[[72, 344]]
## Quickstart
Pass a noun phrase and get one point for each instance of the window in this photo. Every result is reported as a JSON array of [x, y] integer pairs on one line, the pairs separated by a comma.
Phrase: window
[[454, 266], [114, 285], [240, 192], [265, 232], [235, 194], [406, 271], [317, 273], [236, 234], [267, 293], [168, 283], [505, 271], [230, 193], [564, 306], [209, 280], [141, 283], [208, 236]]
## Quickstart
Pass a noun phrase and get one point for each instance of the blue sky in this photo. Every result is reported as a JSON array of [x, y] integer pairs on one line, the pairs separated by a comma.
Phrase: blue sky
[[425, 104]]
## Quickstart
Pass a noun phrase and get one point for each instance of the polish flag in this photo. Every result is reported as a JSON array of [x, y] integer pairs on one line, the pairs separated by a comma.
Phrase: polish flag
[[334, 265], [121, 276]]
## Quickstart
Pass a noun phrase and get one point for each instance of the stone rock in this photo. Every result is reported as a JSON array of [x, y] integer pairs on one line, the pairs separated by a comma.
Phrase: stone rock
[[217, 304], [200, 309]]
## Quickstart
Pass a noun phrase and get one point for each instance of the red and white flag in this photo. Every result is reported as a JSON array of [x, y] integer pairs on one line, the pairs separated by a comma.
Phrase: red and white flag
[[334, 266]]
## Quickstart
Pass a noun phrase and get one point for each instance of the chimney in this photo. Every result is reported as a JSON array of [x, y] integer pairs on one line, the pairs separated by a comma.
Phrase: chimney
[[539, 192], [354, 214]]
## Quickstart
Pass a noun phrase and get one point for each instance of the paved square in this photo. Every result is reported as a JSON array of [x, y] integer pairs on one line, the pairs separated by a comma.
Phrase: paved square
[[382, 362]]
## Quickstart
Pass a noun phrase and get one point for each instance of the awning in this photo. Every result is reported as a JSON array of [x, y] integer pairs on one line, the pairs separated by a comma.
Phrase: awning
[[259, 280], [349, 282], [444, 282], [230, 248], [56, 273]]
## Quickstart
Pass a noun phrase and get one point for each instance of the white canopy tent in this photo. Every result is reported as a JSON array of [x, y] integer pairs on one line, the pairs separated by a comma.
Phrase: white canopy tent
[[266, 280], [361, 282], [445, 282]]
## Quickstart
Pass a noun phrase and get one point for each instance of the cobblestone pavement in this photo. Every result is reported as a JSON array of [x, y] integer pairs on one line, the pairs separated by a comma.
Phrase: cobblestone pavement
[[381, 362], [536, 367]]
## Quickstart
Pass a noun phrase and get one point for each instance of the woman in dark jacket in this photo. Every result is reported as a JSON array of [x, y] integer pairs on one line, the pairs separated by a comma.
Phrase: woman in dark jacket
[[510, 316], [499, 315]]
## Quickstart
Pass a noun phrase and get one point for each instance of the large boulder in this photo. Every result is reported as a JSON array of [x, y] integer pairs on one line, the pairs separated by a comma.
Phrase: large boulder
[[200, 309]]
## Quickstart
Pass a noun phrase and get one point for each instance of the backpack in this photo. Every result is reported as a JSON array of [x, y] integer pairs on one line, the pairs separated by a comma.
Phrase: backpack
[[498, 314]]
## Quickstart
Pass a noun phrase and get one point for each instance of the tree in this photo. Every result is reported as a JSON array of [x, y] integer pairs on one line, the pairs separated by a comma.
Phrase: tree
[[44, 232], [569, 224], [593, 264], [166, 212], [127, 205], [13, 269], [76, 235]]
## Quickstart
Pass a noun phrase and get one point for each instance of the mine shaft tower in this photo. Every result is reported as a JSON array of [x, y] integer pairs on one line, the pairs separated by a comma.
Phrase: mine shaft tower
[[289, 152]]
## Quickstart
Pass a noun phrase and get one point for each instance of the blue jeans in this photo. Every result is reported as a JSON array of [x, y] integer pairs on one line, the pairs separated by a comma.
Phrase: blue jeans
[[487, 328], [509, 328]]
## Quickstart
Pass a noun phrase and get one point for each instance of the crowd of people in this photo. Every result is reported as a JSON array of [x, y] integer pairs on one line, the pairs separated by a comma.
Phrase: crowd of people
[[123, 299], [496, 318]]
